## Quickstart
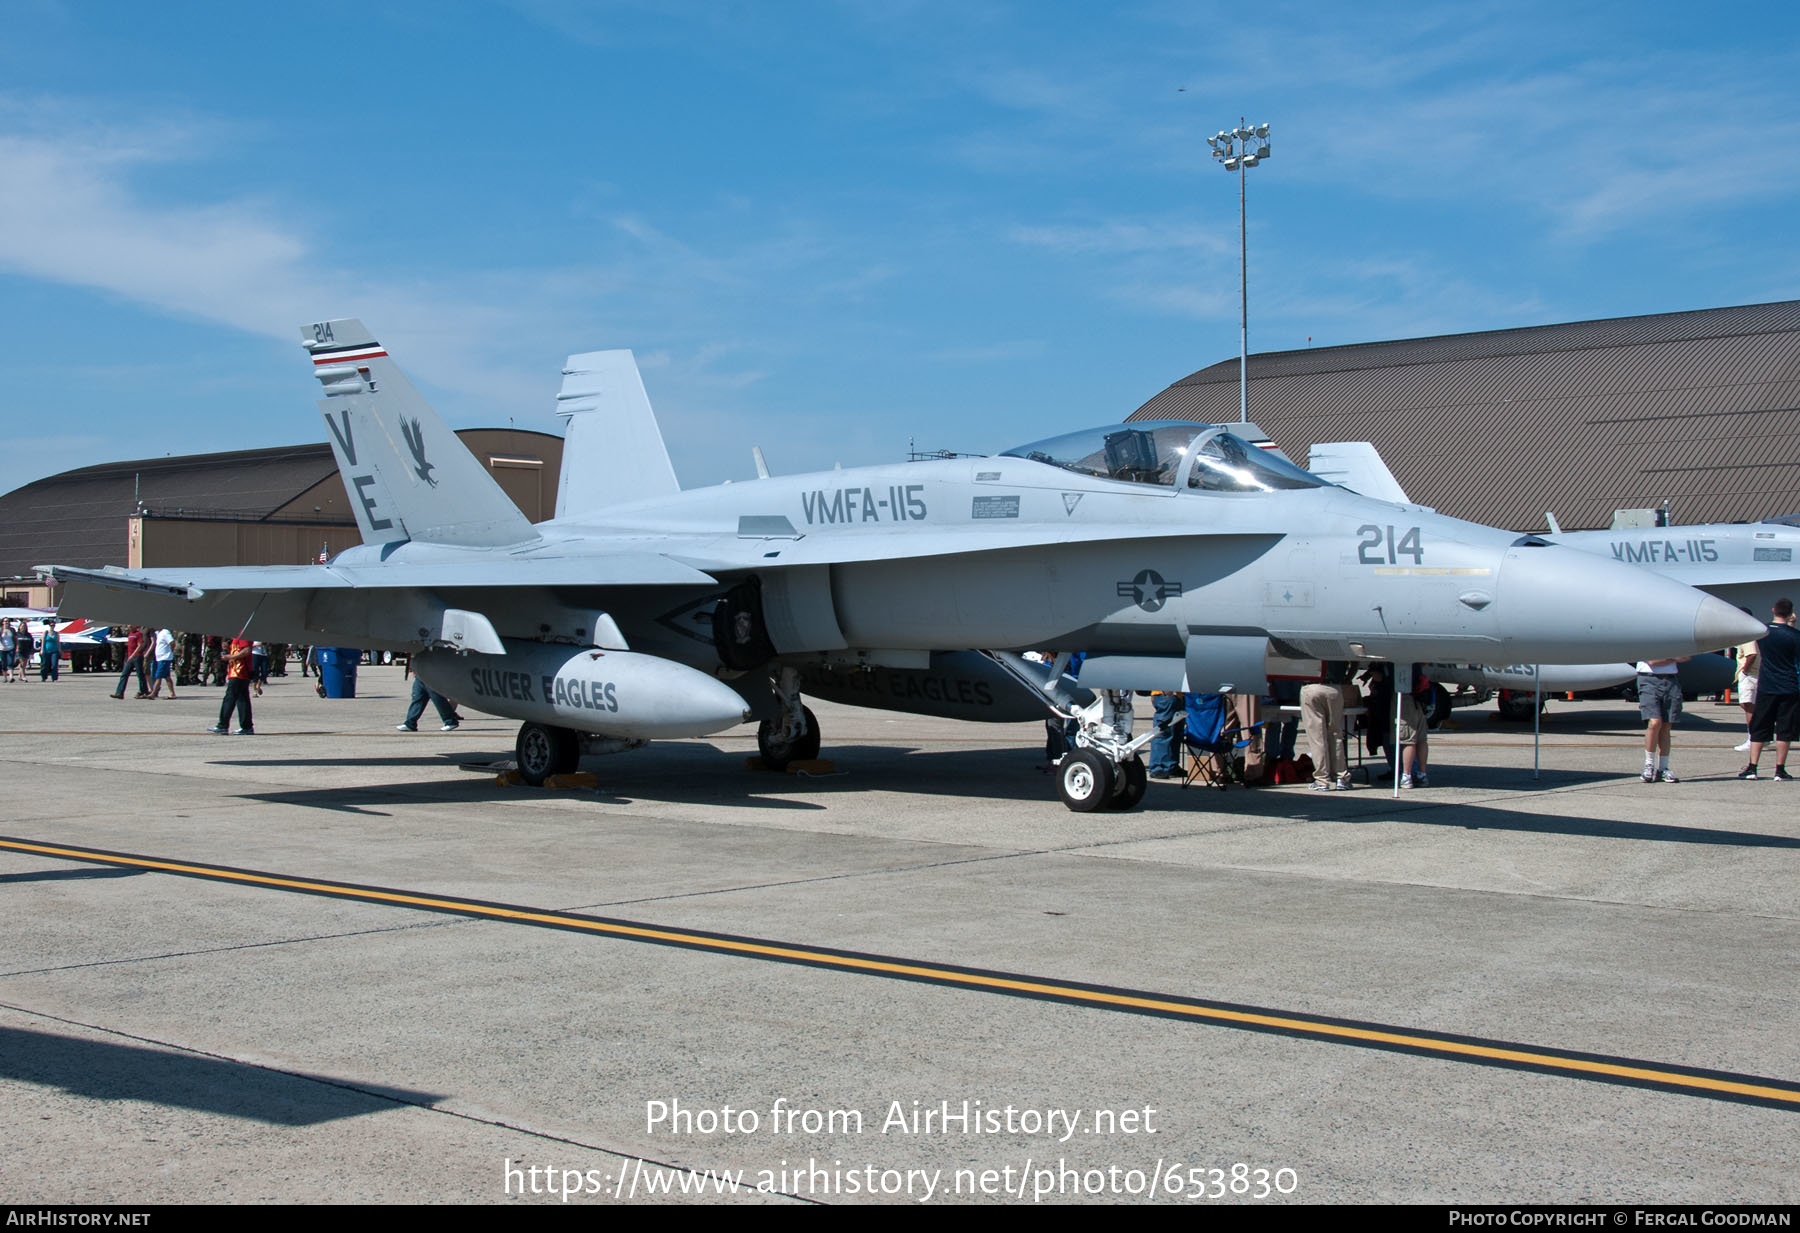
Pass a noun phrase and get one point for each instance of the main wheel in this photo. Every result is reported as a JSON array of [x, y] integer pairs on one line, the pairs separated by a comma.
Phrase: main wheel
[[1084, 780], [544, 751], [1516, 706], [1129, 784], [777, 753], [1440, 705]]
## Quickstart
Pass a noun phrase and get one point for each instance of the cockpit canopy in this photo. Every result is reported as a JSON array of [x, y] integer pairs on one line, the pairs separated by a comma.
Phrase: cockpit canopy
[[1171, 453]]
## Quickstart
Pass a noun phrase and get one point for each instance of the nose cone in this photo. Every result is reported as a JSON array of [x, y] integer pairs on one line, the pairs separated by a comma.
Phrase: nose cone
[[1559, 606], [1718, 625]]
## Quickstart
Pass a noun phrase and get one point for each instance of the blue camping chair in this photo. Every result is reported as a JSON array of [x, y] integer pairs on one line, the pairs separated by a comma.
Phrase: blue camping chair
[[1215, 742]]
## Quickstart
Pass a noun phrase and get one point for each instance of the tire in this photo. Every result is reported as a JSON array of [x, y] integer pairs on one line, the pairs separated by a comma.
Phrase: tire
[[1084, 780], [1440, 706], [1130, 781], [1515, 707], [544, 751], [777, 754]]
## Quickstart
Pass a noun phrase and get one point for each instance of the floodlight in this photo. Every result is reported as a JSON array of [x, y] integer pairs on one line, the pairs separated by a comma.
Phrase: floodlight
[[1235, 153]]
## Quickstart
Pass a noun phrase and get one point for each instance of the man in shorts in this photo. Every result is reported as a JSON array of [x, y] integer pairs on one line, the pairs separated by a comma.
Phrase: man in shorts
[[162, 656], [1749, 663], [1415, 745], [1659, 703], [1777, 692]]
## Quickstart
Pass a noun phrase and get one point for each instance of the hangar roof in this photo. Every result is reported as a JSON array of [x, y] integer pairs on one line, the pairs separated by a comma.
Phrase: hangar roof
[[1701, 408], [80, 517]]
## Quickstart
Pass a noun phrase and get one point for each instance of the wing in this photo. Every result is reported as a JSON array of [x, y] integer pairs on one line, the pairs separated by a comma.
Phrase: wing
[[397, 603]]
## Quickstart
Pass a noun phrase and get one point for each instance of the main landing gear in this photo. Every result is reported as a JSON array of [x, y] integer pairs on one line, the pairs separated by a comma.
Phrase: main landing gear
[[778, 748], [792, 736]]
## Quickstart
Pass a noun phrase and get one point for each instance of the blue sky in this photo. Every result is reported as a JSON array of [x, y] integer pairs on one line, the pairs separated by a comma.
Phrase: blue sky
[[827, 228]]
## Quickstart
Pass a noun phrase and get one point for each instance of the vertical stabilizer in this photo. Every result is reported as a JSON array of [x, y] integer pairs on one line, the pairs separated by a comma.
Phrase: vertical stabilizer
[[407, 475], [613, 451], [1356, 465]]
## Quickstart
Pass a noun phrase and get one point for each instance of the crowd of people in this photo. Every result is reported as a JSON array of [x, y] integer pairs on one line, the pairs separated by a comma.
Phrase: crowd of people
[[162, 659], [157, 656], [1767, 687], [1767, 684], [18, 646], [1266, 749]]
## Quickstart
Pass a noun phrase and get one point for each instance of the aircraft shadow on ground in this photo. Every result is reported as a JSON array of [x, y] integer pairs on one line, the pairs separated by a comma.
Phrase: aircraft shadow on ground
[[690, 774], [338, 800], [432, 760], [65, 875], [701, 775], [1624, 724], [109, 1070], [1413, 812]]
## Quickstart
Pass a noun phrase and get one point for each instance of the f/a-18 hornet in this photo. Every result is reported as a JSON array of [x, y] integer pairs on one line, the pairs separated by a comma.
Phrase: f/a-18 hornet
[[1174, 555]]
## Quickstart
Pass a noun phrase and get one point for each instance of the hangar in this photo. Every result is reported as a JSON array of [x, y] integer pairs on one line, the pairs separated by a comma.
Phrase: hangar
[[1698, 409], [280, 506]]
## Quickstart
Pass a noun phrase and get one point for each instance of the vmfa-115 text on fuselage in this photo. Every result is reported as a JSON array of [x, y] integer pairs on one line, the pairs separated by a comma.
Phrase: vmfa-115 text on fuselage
[[1175, 555]]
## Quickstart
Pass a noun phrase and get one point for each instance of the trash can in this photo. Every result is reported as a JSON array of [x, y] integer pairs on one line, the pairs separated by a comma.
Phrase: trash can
[[337, 670]]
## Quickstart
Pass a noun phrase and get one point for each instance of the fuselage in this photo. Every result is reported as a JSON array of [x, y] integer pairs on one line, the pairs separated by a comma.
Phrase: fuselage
[[1018, 552]]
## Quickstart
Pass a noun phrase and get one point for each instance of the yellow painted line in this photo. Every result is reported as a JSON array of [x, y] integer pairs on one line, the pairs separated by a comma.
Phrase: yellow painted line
[[1632, 1071]]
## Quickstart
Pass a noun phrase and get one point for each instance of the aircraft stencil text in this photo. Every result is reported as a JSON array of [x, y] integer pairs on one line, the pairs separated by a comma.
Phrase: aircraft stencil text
[[892, 504], [1665, 551], [1368, 551]]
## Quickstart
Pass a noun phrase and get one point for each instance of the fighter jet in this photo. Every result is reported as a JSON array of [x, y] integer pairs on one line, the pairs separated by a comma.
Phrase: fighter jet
[[1749, 565], [1174, 555]]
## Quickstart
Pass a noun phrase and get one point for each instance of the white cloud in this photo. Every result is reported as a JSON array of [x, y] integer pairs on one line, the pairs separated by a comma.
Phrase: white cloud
[[76, 209]]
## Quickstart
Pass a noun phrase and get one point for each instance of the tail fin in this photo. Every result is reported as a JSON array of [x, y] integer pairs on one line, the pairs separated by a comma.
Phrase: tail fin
[[613, 451], [407, 475], [1356, 465]]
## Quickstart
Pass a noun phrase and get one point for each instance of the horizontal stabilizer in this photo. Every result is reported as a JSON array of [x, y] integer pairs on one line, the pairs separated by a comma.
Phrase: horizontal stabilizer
[[613, 451], [115, 579]]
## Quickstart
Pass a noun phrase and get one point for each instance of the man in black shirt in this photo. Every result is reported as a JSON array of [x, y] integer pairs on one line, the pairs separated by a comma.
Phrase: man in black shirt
[[1777, 692]]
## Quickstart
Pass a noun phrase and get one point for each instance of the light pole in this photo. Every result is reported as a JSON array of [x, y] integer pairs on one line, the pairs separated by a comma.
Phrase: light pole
[[1232, 148]]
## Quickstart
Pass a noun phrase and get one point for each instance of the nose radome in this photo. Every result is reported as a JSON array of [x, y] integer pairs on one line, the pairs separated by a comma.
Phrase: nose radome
[[1718, 625], [1568, 607]]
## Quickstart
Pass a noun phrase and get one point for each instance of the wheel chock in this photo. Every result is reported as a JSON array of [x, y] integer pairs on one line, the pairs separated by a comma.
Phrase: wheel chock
[[556, 783], [809, 766]]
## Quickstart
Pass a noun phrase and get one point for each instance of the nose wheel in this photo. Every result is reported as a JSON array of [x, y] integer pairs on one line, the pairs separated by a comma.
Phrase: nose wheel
[[1131, 778], [1084, 780]]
